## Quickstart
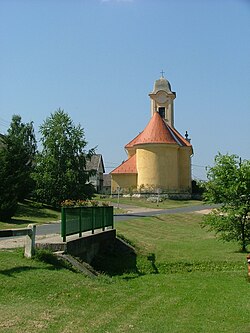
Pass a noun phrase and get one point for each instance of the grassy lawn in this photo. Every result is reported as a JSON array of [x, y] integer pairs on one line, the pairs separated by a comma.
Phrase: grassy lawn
[[193, 284], [142, 202], [30, 212]]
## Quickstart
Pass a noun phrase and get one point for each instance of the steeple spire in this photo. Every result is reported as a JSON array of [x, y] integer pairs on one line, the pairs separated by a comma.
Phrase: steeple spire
[[162, 98]]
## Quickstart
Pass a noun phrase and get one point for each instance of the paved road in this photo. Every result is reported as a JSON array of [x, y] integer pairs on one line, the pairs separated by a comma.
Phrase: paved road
[[54, 228]]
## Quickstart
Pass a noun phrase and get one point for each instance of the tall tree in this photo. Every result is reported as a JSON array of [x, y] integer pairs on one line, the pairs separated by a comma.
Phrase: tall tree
[[61, 166], [22, 147], [229, 185], [17, 152], [8, 184]]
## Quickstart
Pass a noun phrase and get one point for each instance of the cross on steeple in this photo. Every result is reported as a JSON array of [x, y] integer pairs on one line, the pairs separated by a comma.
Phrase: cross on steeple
[[162, 73]]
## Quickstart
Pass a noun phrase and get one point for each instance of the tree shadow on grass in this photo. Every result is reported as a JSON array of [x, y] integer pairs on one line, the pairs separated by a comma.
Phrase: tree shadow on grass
[[241, 251], [29, 210], [34, 213], [17, 222], [21, 222], [11, 272], [159, 217], [45, 256], [15, 270]]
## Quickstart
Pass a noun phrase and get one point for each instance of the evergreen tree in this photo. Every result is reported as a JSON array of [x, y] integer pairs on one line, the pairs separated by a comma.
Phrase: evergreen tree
[[22, 147], [8, 197], [17, 152]]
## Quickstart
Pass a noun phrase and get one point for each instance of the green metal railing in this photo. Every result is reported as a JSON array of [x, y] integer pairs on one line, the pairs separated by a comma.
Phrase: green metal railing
[[76, 220]]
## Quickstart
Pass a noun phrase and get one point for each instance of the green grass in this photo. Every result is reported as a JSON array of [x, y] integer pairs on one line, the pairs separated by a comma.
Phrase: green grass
[[195, 284], [31, 212], [177, 237], [142, 202]]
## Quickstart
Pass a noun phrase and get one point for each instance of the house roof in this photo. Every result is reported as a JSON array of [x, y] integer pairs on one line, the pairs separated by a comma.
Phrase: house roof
[[158, 131], [95, 162], [129, 166]]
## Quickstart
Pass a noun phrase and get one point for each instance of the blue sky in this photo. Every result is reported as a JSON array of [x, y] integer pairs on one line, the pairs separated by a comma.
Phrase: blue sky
[[98, 60]]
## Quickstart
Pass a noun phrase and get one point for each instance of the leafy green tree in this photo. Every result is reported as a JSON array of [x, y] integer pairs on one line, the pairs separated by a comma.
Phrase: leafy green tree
[[61, 166], [229, 185], [8, 197], [17, 152], [22, 148], [1, 140]]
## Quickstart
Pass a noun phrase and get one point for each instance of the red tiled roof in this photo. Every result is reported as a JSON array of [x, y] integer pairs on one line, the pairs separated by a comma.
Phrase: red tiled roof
[[183, 141], [131, 143], [158, 131], [129, 166]]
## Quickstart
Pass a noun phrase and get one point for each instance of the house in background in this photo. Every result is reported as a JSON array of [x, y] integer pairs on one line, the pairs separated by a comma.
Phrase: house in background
[[96, 164], [106, 184]]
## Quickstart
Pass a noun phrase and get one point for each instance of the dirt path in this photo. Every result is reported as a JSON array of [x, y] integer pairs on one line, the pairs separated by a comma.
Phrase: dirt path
[[14, 242]]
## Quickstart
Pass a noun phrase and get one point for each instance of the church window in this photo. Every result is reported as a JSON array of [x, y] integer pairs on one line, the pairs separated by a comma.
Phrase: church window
[[162, 112]]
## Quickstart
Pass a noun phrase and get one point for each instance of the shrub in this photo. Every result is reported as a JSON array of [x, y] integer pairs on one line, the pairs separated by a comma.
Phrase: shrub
[[82, 203], [68, 203], [105, 203], [94, 203]]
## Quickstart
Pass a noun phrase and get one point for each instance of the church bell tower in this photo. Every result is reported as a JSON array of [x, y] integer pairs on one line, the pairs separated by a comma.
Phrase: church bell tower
[[162, 100]]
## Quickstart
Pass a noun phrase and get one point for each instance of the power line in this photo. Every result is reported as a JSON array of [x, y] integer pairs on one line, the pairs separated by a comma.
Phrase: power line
[[4, 121], [199, 166], [3, 124], [115, 163]]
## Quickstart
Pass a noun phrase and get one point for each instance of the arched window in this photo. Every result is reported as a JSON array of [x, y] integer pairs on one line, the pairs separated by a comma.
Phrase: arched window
[[162, 112]]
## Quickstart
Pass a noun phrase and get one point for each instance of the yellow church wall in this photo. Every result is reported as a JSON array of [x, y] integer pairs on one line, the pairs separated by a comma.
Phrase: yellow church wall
[[162, 166], [157, 165], [185, 168], [123, 181]]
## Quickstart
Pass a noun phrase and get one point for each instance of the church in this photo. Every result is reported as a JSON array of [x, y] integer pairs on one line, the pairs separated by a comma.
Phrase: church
[[159, 158]]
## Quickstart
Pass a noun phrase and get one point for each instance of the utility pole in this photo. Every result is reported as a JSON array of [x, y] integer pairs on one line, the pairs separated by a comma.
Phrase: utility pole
[[158, 196], [118, 197]]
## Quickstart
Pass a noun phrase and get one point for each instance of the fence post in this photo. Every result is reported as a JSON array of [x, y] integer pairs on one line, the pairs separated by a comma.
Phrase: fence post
[[112, 216], [63, 224], [80, 221], [104, 216], [30, 242], [93, 219]]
